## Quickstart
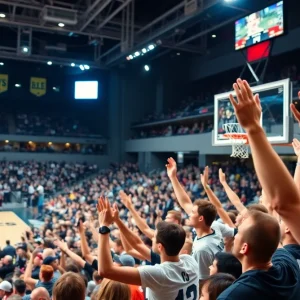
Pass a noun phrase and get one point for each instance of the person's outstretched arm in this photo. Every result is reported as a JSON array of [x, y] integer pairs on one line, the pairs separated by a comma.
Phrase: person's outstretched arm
[[84, 244], [296, 146], [129, 248], [232, 196], [181, 195], [64, 248], [274, 177], [214, 199], [106, 268], [140, 222]]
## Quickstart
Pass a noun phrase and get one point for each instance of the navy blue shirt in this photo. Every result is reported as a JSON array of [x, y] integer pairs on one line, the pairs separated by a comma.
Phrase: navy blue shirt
[[294, 250], [155, 258], [281, 281]]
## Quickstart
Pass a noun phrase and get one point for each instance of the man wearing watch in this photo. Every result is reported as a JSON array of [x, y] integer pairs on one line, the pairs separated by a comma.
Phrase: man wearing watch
[[168, 241]]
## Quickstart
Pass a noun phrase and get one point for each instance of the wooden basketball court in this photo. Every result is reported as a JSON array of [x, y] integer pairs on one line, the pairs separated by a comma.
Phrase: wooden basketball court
[[11, 228]]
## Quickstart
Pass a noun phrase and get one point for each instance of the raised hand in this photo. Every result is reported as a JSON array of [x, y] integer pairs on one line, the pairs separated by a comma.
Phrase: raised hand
[[36, 251], [222, 176], [125, 199], [204, 177], [171, 167], [247, 108], [294, 110], [296, 146], [106, 215], [62, 245]]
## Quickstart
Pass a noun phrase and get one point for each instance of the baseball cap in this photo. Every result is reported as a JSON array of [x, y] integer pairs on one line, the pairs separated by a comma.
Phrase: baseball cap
[[5, 286], [124, 260], [50, 259]]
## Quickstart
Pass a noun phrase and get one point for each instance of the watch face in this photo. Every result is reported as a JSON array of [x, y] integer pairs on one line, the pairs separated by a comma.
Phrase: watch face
[[104, 229]]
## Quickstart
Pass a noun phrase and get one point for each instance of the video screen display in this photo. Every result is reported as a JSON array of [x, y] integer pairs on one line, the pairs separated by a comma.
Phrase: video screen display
[[260, 26], [86, 90]]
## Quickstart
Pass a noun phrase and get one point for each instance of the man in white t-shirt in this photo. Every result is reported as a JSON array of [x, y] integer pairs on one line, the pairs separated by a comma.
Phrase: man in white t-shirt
[[202, 214], [177, 277]]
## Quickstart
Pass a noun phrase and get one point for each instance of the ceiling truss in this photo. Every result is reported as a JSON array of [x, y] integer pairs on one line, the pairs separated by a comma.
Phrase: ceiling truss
[[100, 19]]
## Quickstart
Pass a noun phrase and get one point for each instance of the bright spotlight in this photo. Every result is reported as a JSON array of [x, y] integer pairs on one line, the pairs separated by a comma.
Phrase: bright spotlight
[[147, 68], [17, 85], [61, 25], [87, 67], [25, 49], [213, 36], [81, 67], [72, 65], [2, 15], [144, 50], [130, 56], [49, 63], [137, 53], [1, 63], [151, 47]]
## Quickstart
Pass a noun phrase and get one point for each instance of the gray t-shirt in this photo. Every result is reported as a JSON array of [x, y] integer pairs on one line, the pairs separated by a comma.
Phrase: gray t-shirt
[[205, 250]]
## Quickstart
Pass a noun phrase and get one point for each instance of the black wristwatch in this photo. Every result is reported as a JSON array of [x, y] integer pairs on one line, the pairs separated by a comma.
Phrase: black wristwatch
[[104, 230]]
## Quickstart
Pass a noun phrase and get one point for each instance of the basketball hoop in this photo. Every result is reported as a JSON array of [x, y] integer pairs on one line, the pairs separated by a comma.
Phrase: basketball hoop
[[238, 139]]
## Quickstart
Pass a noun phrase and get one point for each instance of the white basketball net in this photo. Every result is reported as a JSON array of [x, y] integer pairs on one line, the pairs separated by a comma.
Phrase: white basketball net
[[239, 147]]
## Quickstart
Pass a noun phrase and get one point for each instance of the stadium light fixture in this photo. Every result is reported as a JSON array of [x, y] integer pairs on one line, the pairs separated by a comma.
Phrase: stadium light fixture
[[50, 143], [2, 15], [146, 68], [1, 63], [49, 63], [72, 65], [6, 141], [213, 36], [61, 25], [25, 49], [17, 85], [86, 67], [141, 52], [81, 67]]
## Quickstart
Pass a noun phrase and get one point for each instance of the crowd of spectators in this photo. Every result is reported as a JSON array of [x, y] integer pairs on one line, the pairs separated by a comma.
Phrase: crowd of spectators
[[173, 130], [39, 124], [50, 147], [31, 178], [60, 255]]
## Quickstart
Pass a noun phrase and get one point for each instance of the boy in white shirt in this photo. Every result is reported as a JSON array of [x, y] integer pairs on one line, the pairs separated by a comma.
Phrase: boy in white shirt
[[177, 277]]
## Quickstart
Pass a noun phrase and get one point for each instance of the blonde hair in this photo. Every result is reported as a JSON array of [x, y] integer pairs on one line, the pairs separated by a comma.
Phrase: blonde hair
[[176, 215], [112, 290]]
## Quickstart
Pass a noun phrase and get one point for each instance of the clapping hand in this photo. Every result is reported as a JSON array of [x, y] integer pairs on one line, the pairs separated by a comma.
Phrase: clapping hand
[[107, 215], [247, 108]]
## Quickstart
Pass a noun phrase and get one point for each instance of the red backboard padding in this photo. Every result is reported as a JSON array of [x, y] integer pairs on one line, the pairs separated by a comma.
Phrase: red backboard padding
[[258, 51]]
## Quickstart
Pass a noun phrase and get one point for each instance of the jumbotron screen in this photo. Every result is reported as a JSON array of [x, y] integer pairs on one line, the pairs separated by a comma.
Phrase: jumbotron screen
[[260, 26]]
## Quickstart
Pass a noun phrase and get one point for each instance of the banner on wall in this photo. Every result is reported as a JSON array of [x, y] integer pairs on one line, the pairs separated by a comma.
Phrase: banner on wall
[[3, 83], [38, 86]]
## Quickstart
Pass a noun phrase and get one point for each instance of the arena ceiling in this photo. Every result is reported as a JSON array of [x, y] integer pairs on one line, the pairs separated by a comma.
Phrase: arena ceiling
[[102, 33]]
